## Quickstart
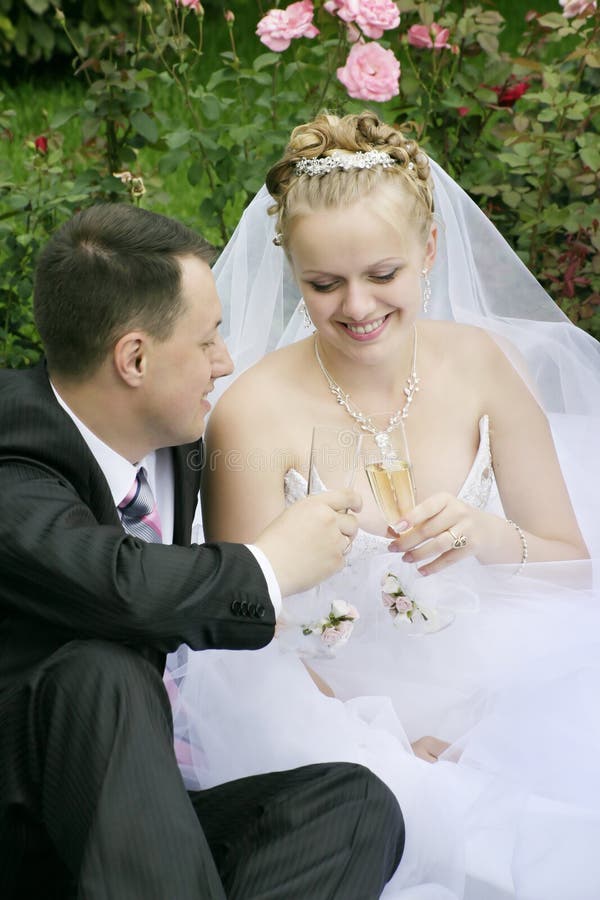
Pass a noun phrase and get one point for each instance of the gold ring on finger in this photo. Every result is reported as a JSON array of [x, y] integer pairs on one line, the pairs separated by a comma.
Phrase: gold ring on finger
[[458, 540]]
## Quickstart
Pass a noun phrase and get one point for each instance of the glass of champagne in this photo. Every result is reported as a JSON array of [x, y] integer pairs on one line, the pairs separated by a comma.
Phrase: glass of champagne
[[388, 468], [333, 463], [389, 472], [334, 455]]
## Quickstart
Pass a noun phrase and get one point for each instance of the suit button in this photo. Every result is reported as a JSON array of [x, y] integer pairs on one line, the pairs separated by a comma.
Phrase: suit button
[[236, 607], [260, 611], [252, 609], [244, 608]]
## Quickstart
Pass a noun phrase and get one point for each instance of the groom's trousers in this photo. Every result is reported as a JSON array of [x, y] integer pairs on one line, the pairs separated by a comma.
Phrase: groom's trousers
[[92, 804]]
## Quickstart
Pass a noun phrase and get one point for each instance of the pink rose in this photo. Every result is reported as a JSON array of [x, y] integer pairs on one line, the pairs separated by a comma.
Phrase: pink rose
[[373, 17], [279, 26], [433, 38], [370, 73], [192, 4], [389, 600], [330, 636], [403, 604], [463, 111], [337, 634], [572, 8]]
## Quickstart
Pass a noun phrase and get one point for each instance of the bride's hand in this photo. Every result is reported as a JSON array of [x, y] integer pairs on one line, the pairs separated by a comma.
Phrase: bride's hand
[[444, 530], [429, 748]]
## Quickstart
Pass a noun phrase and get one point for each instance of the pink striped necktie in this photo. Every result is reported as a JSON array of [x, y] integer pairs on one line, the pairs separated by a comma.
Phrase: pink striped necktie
[[138, 511]]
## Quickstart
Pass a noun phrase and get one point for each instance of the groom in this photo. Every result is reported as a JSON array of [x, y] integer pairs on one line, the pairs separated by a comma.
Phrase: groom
[[99, 475]]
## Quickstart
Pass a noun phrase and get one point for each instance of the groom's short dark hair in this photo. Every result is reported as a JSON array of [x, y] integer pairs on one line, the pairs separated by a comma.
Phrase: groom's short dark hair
[[110, 268]]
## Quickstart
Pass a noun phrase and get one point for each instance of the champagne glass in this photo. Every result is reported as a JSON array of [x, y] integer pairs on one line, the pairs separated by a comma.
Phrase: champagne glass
[[323, 616], [388, 468], [334, 455], [389, 471]]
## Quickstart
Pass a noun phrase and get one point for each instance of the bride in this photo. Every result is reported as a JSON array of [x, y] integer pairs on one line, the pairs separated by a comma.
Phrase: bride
[[499, 397]]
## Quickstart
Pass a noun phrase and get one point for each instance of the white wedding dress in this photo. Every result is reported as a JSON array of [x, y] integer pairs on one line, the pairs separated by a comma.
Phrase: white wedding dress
[[513, 808]]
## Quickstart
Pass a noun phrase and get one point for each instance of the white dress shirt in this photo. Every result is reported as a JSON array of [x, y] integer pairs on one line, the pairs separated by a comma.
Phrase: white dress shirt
[[120, 475]]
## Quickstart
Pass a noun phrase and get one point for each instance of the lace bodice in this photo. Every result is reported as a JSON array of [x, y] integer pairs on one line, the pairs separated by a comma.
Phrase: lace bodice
[[479, 490]]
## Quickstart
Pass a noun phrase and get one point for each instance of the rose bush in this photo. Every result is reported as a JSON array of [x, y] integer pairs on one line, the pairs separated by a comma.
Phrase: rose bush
[[183, 128]]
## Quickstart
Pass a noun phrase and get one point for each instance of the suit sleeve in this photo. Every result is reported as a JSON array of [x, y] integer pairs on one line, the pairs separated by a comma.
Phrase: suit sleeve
[[58, 564]]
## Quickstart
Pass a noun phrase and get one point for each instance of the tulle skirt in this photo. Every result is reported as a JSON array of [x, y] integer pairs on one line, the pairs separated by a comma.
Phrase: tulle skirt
[[512, 809]]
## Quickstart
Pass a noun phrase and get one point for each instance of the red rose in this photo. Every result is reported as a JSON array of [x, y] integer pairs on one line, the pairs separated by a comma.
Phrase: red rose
[[41, 144], [508, 94]]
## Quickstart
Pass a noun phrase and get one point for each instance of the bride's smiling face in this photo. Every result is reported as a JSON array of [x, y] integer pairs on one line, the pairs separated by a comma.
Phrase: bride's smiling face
[[359, 274]]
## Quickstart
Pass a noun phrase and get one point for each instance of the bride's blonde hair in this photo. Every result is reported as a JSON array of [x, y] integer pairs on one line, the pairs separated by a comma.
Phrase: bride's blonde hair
[[298, 194]]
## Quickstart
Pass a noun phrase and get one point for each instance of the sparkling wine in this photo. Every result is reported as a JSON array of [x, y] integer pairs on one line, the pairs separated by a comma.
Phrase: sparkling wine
[[393, 488]]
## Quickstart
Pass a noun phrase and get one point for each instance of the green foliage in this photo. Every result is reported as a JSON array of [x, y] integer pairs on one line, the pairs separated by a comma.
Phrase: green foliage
[[186, 128], [31, 30]]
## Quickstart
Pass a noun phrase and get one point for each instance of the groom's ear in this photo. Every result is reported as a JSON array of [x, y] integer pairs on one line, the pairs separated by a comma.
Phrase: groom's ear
[[129, 358]]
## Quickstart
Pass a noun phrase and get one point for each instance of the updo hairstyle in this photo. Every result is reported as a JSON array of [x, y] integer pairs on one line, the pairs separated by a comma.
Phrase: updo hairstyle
[[411, 197]]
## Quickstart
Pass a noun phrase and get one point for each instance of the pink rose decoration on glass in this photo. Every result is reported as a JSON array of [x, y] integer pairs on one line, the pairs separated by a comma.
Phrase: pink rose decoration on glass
[[400, 607], [337, 627], [373, 17], [279, 27], [370, 73], [582, 8], [433, 37]]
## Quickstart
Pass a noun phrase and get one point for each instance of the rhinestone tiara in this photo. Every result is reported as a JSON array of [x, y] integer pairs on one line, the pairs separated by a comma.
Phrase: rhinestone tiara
[[321, 164]]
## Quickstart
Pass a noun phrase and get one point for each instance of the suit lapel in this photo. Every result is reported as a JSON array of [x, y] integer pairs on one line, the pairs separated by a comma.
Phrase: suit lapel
[[187, 465]]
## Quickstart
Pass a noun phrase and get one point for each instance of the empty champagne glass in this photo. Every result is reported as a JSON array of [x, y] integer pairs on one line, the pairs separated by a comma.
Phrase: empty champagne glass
[[334, 455]]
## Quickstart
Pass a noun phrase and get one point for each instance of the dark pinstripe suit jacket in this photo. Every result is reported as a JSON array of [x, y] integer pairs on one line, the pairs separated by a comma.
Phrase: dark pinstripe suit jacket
[[67, 569]]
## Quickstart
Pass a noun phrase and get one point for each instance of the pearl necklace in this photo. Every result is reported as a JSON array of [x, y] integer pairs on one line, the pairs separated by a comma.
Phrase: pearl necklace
[[365, 423]]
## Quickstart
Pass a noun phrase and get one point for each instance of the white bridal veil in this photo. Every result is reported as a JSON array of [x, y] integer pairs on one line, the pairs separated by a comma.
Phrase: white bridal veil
[[519, 812], [477, 279]]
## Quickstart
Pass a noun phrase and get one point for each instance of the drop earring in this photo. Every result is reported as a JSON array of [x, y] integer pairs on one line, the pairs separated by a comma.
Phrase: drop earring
[[426, 290], [308, 322]]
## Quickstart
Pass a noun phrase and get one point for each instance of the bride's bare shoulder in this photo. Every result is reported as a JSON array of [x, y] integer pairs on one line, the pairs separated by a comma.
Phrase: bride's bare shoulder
[[456, 341], [274, 375]]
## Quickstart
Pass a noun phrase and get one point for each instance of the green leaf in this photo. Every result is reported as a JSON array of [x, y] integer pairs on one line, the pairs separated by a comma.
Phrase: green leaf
[[590, 156], [552, 20], [592, 59], [37, 6], [178, 138], [218, 78], [488, 42], [145, 126], [547, 115], [170, 162], [206, 141], [138, 99], [144, 74], [196, 171], [62, 116], [265, 59], [211, 108], [43, 35], [427, 14]]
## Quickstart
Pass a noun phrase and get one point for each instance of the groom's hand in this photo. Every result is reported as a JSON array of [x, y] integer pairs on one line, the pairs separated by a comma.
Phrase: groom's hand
[[307, 542]]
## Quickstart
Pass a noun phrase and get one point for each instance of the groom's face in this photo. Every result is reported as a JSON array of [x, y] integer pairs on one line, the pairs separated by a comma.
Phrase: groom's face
[[182, 369]]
